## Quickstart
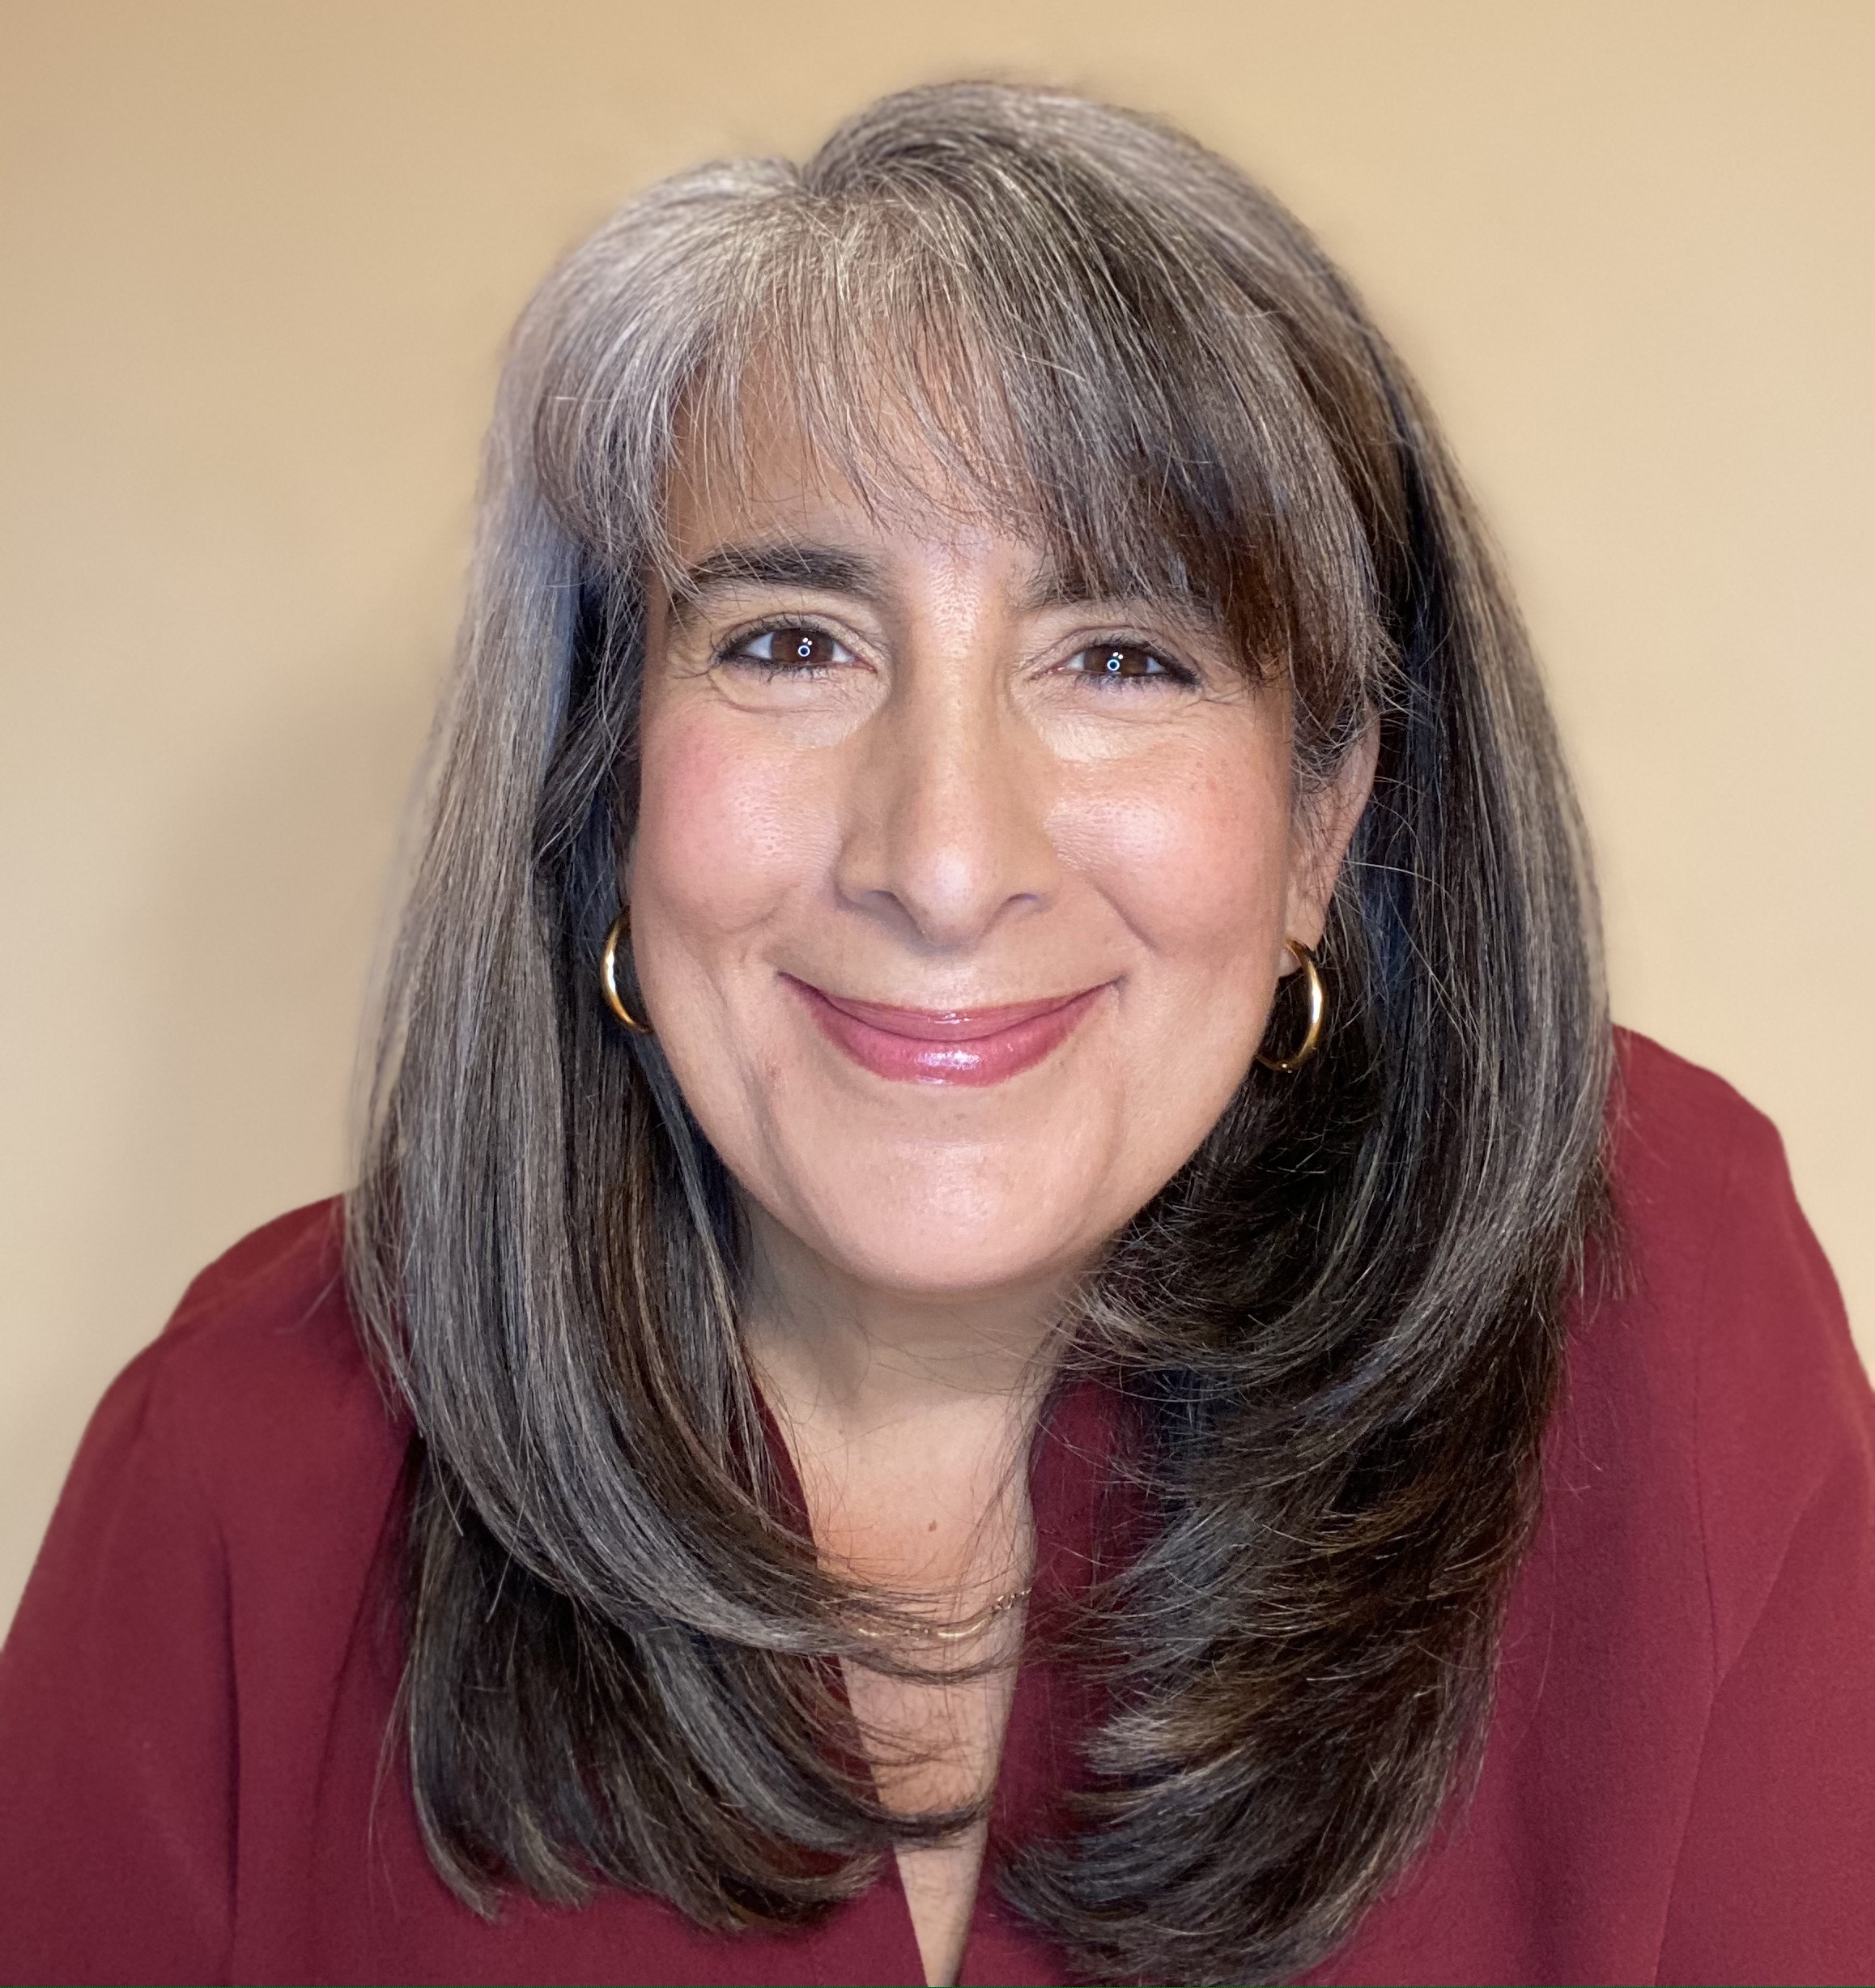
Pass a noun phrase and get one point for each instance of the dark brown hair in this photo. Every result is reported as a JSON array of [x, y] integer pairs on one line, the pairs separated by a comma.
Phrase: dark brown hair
[[1341, 1320]]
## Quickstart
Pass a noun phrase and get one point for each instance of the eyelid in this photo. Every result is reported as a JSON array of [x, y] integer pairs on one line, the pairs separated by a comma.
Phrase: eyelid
[[1174, 666], [724, 650]]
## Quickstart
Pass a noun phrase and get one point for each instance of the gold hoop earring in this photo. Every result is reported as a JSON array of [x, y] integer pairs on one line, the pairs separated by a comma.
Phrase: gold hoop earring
[[608, 976], [1317, 1012]]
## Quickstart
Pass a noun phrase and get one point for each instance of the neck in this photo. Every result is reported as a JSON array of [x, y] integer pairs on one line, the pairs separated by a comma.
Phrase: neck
[[907, 1415], [842, 1349]]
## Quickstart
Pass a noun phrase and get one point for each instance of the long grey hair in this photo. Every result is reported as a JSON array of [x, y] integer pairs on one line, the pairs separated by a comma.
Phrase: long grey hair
[[1341, 1322]]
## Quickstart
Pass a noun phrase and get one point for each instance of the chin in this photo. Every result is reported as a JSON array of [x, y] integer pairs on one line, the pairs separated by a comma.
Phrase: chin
[[952, 1232], [908, 1267]]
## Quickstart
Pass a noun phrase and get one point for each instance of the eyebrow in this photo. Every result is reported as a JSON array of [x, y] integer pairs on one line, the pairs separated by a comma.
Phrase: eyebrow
[[815, 568], [812, 568], [1051, 588]]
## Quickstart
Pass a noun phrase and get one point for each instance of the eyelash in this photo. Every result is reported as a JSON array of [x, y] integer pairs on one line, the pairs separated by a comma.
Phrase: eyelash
[[776, 666], [1170, 670]]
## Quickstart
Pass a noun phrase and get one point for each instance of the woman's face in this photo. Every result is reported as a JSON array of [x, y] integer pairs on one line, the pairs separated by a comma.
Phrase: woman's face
[[957, 902]]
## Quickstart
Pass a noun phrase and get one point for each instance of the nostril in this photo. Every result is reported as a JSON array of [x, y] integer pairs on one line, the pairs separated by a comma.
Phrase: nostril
[[949, 836]]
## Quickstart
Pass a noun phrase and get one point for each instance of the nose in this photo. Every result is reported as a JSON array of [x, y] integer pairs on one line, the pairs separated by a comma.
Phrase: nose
[[947, 831]]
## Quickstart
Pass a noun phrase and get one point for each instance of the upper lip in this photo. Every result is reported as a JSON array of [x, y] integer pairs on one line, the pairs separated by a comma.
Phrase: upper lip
[[946, 1024]]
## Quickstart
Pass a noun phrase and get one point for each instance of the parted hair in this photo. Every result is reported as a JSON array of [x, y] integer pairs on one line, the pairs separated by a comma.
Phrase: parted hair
[[1339, 1326]]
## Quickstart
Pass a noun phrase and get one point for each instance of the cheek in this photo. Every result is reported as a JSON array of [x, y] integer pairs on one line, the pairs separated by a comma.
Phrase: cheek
[[725, 828], [1191, 847]]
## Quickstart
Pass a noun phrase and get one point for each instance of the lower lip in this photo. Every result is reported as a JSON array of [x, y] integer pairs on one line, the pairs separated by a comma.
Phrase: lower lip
[[913, 1046]]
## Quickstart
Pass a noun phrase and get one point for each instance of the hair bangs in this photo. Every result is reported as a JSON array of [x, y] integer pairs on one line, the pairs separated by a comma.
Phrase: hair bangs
[[964, 341]]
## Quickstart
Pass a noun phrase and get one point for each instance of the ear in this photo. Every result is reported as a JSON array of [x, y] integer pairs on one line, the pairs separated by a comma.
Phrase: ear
[[1323, 825]]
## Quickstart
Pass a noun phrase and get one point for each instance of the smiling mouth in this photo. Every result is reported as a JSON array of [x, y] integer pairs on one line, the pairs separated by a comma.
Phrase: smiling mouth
[[974, 1046]]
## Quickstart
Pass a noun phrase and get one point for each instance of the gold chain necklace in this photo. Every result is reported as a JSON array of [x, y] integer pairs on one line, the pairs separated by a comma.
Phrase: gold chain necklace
[[972, 1626]]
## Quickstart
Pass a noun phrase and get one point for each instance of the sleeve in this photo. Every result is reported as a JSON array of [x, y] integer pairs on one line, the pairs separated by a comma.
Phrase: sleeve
[[1776, 1876], [117, 1719]]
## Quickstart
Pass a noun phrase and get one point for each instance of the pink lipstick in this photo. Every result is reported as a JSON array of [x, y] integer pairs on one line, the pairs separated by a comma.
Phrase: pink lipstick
[[946, 1045]]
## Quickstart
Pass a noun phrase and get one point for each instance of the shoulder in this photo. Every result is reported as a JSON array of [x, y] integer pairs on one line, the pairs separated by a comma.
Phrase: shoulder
[[260, 1382], [1724, 1335], [1711, 1242], [1681, 1141], [168, 1693]]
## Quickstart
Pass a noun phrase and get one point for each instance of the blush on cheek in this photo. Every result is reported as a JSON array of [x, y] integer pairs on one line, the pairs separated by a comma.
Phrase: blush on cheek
[[725, 828], [1197, 864]]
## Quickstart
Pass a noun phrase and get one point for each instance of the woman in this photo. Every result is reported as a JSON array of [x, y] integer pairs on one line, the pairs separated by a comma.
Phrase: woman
[[1002, 1236]]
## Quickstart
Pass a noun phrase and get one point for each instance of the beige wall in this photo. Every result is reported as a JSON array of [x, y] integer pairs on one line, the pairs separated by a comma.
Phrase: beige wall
[[255, 261]]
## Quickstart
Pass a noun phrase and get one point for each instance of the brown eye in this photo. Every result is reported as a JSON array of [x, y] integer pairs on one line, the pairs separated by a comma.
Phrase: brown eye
[[790, 649], [1119, 662]]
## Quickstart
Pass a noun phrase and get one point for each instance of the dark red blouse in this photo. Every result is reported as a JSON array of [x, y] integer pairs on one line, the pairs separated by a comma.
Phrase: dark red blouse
[[1678, 1785]]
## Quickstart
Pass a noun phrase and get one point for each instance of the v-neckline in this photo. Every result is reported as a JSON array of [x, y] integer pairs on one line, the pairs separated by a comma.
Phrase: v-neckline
[[1071, 1480]]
